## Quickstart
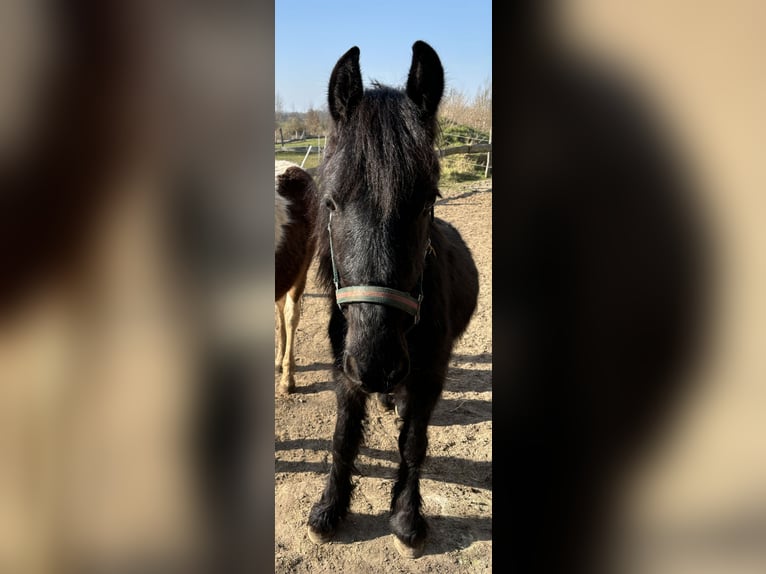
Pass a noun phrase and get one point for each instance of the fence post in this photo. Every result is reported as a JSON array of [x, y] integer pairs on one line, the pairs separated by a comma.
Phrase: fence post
[[489, 156], [308, 151]]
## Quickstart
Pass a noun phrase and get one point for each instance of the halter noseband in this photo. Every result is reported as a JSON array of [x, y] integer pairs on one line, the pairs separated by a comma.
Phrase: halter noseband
[[375, 294]]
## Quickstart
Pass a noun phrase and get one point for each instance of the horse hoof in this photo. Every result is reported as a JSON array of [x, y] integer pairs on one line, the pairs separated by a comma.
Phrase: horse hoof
[[286, 385], [284, 390], [406, 551], [318, 537]]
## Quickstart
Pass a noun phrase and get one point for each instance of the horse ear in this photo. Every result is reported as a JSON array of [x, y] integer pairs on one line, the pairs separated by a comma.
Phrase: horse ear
[[425, 83], [346, 88]]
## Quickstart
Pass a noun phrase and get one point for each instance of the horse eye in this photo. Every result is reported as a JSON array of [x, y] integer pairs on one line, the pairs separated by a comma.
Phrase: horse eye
[[329, 203]]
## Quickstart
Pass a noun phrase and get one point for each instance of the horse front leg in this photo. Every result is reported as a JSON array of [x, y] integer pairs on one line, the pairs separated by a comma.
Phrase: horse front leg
[[336, 497], [280, 308], [407, 521], [289, 326]]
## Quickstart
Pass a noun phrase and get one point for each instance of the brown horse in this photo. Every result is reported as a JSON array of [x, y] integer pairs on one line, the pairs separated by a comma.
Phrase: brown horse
[[294, 209]]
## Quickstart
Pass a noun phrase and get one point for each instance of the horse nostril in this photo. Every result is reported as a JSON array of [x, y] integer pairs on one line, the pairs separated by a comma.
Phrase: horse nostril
[[351, 367]]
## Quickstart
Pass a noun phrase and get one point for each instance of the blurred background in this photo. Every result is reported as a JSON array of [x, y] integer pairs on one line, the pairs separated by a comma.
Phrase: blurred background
[[698, 501], [634, 316], [136, 277]]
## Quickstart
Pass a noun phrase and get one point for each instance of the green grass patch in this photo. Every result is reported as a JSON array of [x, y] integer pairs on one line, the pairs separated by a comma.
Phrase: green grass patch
[[311, 161], [313, 142], [454, 134], [463, 167]]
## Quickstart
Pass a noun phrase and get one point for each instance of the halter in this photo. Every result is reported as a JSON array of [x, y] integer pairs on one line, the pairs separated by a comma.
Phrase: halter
[[375, 294]]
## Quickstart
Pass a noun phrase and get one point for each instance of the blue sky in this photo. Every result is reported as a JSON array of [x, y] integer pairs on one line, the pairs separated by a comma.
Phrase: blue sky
[[310, 36]]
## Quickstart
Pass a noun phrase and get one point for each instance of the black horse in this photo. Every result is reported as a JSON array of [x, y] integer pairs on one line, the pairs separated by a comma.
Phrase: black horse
[[404, 284]]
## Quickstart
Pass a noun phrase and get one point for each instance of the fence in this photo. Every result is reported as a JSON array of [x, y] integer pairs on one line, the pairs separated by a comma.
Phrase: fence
[[442, 152]]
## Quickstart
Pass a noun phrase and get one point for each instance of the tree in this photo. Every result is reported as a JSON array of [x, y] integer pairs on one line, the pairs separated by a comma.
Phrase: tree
[[313, 122], [457, 109], [482, 105], [279, 110], [294, 126]]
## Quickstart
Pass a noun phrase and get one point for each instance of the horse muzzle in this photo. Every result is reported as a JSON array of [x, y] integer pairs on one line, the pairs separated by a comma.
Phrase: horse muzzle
[[376, 376]]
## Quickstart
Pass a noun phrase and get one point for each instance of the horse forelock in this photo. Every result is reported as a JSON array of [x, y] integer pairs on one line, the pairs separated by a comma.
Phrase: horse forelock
[[385, 152], [382, 157]]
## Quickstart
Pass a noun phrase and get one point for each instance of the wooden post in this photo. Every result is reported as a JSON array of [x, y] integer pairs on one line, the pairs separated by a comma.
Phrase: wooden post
[[489, 156], [281, 137]]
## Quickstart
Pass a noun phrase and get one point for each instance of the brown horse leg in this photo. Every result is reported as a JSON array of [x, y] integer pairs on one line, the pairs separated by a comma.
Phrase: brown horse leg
[[280, 307], [292, 311]]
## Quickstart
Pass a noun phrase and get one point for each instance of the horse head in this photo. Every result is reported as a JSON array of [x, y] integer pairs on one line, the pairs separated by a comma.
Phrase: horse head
[[379, 182]]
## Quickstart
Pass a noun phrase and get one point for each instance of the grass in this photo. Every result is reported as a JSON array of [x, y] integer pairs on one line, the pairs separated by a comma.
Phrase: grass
[[297, 156], [454, 134], [311, 161], [313, 141], [463, 167]]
